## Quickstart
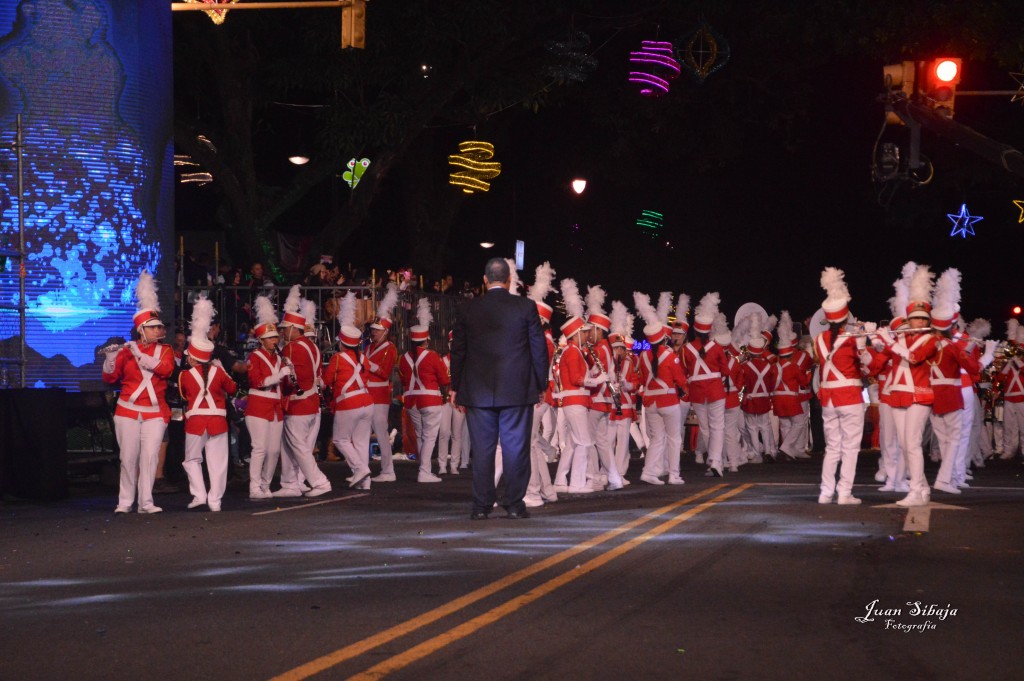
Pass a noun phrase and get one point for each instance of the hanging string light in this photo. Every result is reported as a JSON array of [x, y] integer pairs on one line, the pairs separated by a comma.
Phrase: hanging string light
[[476, 169], [217, 15], [655, 67], [703, 51]]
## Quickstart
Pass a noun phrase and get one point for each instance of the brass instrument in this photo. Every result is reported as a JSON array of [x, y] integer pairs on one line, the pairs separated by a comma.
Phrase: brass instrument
[[613, 384], [556, 377]]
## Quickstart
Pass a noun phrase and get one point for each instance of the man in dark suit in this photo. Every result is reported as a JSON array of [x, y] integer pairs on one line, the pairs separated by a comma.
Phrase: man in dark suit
[[499, 370]]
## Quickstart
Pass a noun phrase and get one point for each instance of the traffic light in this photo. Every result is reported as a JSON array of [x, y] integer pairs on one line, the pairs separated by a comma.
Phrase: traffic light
[[353, 24], [938, 80]]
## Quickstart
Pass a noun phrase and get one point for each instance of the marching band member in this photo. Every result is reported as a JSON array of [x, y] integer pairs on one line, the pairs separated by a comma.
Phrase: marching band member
[[1012, 378], [759, 376], [786, 400], [911, 391], [141, 417], [732, 449], [351, 404], [540, 489], [839, 359], [979, 328], [425, 384], [264, 413], [662, 378], [603, 395], [205, 387], [379, 362], [574, 381], [705, 364], [453, 436], [680, 327], [628, 378]]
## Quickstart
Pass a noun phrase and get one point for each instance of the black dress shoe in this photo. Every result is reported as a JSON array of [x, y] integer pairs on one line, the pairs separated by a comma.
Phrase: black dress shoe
[[712, 473], [516, 515], [478, 515]]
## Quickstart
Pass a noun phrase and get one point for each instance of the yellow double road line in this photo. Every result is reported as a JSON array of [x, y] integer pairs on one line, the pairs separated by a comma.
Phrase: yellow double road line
[[432, 645]]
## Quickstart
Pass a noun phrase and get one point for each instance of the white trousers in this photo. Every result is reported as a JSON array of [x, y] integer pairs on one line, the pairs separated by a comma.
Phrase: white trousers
[[963, 448], [893, 463], [793, 434], [573, 464], [620, 431], [759, 432], [298, 440], [351, 436], [638, 434], [266, 449], [427, 423], [539, 488], [139, 442], [604, 449], [711, 417], [1013, 427], [379, 425], [910, 424], [216, 463], [684, 413], [844, 428], [663, 432], [976, 451], [543, 421], [947, 428], [734, 454], [452, 438]]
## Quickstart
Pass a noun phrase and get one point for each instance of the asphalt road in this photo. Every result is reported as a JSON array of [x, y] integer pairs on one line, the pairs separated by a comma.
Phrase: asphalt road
[[746, 577]]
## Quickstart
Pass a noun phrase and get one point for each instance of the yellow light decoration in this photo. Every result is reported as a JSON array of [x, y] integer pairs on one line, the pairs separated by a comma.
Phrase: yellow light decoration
[[471, 157], [218, 15]]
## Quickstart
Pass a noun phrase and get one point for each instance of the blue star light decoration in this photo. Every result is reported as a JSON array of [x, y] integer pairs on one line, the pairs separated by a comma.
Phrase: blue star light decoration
[[963, 222]]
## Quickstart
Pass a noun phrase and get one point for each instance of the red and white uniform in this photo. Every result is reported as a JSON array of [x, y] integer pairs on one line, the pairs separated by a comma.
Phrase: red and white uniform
[[840, 390], [705, 366], [1012, 380], [732, 447], [140, 418], [264, 417], [206, 427], [352, 413], [970, 427], [947, 416], [601, 406], [575, 402], [788, 406], [662, 387], [379, 362], [301, 419], [423, 374], [892, 461], [758, 380], [619, 424], [540, 487], [453, 437]]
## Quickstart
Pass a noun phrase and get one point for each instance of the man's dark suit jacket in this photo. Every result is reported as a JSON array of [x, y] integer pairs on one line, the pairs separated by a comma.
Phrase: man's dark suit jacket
[[499, 355]]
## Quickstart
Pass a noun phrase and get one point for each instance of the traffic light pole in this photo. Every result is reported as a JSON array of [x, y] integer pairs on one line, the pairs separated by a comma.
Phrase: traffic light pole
[[915, 115]]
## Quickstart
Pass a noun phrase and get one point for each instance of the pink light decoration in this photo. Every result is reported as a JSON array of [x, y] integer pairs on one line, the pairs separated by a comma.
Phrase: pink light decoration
[[654, 56]]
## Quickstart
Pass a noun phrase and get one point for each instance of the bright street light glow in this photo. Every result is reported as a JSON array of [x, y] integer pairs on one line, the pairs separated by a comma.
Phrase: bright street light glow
[[579, 185], [946, 70], [299, 160], [486, 244]]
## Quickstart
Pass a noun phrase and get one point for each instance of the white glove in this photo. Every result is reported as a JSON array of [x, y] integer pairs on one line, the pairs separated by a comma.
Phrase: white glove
[[990, 353], [900, 351], [134, 347], [627, 386], [274, 378], [870, 327], [877, 344], [886, 337], [147, 362], [109, 362], [862, 342], [594, 381], [374, 368]]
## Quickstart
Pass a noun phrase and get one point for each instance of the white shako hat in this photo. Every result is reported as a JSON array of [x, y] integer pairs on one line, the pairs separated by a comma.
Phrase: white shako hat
[[147, 304], [837, 302]]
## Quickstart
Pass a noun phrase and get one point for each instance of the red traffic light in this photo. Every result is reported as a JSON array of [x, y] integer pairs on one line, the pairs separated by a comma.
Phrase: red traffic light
[[947, 70]]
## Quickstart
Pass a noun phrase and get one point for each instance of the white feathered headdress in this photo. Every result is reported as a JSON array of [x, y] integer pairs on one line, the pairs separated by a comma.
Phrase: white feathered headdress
[[145, 293], [620, 319], [308, 308], [837, 296], [787, 336], [347, 310], [513, 277], [720, 330], [266, 317], [642, 302], [682, 307], [291, 303], [664, 306], [979, 328], [572, 299], [946, 301], [543, 282], [741, 332], [898, 303], [704, 315], [921, 284], [423, 314], [388, 302], [1012, 329], [202, 318], [595, 300]]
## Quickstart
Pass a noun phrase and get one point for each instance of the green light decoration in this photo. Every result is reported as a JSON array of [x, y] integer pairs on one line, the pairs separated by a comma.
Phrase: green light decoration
[[355, 171], [650, 223]]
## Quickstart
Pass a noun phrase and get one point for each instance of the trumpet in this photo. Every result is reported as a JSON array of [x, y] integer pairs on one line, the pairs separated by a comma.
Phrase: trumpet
[[613, 384]]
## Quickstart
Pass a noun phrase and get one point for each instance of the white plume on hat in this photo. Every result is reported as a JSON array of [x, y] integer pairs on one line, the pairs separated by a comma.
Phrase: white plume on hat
[[571, 297], [921, 284], [347, 310], [741, 332], [543, 282], [423, 314], [947, 293], [664, 306], [595, 300], [202, 317], [291, 303], [308, 308], [628, 329], [770, 323], [785, 329], [388, 302], [145, 293], [708, 307], [682, 307], [642, 302], [265, 312], [834, 284], [898, 303], [720, 329], [620, 319], [1012, 329], [513, 277], [979, 328]]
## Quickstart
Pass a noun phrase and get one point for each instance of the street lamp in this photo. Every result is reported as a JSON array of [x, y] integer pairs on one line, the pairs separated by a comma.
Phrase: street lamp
[[299, 160], [486, 244], [578, 185]]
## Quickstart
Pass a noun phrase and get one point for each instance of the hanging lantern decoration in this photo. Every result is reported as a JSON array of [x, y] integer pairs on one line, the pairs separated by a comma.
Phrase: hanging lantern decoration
[[1019, 95], [217, 15], [655, 67], [355, 171], [1020, 204], [702, 51], [963, 222], [472, 168], [650, 223]]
